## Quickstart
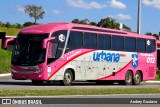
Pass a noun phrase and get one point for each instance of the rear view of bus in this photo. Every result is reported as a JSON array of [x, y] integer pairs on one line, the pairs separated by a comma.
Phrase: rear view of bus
[[69, 52]]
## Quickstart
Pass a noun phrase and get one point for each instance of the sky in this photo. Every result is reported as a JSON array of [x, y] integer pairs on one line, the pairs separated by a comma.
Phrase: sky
[[124, 11]]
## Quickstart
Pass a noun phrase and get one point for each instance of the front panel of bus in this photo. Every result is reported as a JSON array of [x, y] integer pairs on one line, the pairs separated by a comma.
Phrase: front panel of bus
[[29, 60]]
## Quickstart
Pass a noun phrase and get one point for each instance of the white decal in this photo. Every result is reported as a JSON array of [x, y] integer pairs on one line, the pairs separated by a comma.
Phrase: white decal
[[61, 37], [145, 54], [148, 42], [74, 54], [151, 60]]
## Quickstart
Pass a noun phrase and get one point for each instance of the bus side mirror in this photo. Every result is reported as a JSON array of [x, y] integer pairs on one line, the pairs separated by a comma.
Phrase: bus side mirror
[[8, 44], [45, 41]]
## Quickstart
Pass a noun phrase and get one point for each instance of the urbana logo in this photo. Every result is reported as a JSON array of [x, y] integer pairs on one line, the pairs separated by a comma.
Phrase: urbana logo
[[109, 57]]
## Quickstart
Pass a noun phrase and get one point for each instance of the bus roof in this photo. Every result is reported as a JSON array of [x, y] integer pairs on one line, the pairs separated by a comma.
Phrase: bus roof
[[51, 27]]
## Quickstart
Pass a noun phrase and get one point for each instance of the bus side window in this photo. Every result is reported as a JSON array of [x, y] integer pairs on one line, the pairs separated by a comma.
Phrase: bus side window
[[104, 42], [130, 44], [151, 45], [118, 43], [141, 45], [75, 40], [90, 41], [52, 51]]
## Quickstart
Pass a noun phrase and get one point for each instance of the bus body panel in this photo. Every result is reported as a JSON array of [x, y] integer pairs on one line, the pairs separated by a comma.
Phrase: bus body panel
[[87, 67]]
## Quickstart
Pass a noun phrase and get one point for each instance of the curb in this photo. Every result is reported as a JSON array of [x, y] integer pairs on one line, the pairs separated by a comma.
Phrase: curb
[[152, 81], [3, 75]]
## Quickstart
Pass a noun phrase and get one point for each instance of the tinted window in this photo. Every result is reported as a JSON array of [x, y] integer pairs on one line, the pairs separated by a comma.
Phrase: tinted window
[[151, 45], [130, 44], [90, 40], [60, 37], [75, 40], [141, 45], [117, 43], [104, 41]]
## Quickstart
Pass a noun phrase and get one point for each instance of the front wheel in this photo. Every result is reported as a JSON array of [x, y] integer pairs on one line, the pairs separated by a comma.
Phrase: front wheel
[[68, 78], [138, 78]]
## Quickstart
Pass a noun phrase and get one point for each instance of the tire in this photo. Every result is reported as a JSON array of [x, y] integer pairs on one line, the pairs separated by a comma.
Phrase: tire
[[128, 78], [138, 78], [37, 82], [68, 78]]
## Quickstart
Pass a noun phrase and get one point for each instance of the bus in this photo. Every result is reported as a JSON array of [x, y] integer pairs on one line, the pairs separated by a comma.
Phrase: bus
[[68, 52]]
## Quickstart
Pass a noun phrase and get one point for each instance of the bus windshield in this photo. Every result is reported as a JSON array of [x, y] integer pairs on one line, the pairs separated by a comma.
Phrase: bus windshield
[[27, 49]]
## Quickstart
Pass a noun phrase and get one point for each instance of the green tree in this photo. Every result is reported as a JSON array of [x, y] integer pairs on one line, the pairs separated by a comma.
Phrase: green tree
[[151, 34], [75, 21], [93, 23], [26, 24], [36, 12], [2, 24], [7, 25], [108, 23], [84, 21], [126, 27], [148, 33]]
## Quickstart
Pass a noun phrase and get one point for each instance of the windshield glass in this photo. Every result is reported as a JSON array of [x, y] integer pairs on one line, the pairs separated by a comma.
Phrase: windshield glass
[[27, 49]]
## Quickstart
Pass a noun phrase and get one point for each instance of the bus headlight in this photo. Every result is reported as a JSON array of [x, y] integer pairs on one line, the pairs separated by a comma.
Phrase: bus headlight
[[14, 71], [39, 70]]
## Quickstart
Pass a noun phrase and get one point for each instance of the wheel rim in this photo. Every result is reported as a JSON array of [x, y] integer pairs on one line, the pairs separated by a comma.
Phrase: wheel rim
[[137, 78], [129, 78], [68, 77]]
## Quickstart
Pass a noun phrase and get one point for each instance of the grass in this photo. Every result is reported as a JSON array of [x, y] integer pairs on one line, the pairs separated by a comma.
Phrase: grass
[[5, 56], [5, 61], [10, 31], [158, 77], [78, 92]]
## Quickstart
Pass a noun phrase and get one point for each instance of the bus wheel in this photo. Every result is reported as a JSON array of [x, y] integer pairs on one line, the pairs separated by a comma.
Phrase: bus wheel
[[128, 78], [68, 78], [138, 78], [37, 82]]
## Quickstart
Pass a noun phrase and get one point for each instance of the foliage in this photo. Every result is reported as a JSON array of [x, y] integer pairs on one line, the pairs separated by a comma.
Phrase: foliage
[[26, 24], [155, 35], [106, 23], [9, 25], [10, 31], [34, 11], [5, 61]]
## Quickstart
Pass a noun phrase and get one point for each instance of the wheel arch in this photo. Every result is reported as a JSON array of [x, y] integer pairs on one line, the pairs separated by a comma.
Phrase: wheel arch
[[69, 67], [140, 71], [73, 72], [131, 72]]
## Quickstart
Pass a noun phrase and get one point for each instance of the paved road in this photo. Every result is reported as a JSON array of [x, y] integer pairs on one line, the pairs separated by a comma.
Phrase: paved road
[[8, 83]]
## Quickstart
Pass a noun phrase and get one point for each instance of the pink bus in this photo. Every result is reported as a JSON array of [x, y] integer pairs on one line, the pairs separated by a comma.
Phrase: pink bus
[[68, 52]]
